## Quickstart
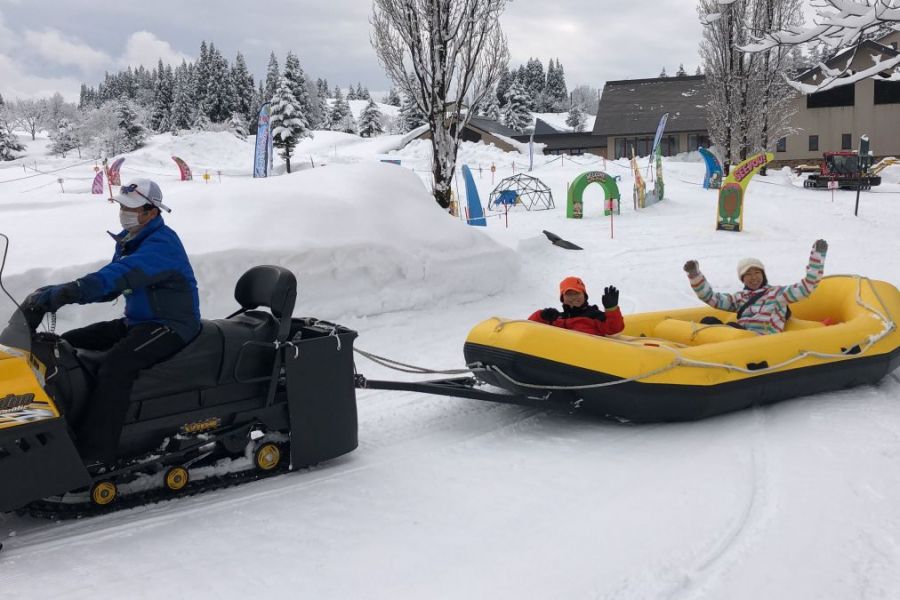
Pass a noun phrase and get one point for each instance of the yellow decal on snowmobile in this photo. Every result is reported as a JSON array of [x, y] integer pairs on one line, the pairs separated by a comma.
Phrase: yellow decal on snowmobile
[[18, 382], [205, 425], [15, 402]]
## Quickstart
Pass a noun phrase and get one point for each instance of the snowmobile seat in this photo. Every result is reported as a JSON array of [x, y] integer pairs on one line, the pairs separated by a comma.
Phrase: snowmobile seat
[[272, 287]]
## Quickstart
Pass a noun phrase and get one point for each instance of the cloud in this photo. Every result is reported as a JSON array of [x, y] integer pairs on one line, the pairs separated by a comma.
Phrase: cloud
[[144, 48], [51, 45], [17, 83]]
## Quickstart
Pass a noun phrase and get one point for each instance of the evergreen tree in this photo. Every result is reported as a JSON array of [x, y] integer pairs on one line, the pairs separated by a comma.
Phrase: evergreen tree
[[410, 115], [515, 114], [393, 98], [219, 97], [9, 145], [556, 92], [492, 109], [237, 125], [663, 72], [272, 77], [297, 80], [180, 117], [680, 72], [698, 71], [370, 120], [64, 139], [288, 125], [200, 118], [163, 98], [200, 73], [244, 89], [575, 120], [506, 79], [339, 117], [534, 82], [132, 132], [351, 93], [324, 114], [361, 92]]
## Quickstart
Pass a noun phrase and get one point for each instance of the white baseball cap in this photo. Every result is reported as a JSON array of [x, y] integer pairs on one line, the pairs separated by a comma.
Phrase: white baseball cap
[[138, 192]]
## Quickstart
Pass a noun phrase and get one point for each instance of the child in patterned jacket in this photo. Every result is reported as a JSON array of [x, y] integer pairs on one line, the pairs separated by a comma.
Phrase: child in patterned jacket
[[760, 307]]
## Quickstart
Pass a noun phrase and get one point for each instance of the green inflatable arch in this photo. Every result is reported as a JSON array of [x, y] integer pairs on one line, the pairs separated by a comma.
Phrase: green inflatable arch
[[575, 205]]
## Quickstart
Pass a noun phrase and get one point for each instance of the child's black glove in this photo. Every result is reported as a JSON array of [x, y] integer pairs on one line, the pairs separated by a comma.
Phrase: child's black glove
[[549, 314], [610, 297]]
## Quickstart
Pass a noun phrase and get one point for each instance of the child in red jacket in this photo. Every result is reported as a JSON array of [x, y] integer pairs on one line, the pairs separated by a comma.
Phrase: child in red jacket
[[578, 315]]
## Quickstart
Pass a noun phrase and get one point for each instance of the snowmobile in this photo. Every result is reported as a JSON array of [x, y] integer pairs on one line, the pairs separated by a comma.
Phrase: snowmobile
[[256, 393]]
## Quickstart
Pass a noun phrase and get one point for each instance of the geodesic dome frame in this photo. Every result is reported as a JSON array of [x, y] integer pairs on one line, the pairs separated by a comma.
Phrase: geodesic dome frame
[[530, 191]]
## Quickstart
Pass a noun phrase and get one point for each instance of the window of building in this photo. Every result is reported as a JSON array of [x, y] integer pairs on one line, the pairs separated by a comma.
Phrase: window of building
[[842, 95], [781, 145], [620, 147], [846, 141], [696, 141], [813, 143], [887, 92]]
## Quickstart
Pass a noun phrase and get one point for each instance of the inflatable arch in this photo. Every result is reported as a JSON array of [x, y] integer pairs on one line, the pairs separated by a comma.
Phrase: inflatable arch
[[730, 215], [713, 178], [575, 205]]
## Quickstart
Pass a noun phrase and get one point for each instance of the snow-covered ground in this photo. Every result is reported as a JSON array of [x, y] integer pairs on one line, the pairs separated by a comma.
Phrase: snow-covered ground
[[449, 498]]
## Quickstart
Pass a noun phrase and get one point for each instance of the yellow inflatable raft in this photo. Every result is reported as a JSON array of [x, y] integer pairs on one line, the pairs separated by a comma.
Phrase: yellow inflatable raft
[[666, 366]]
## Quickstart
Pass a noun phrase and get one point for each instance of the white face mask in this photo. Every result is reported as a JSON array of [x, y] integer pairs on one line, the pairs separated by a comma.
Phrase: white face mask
[[129, 220]]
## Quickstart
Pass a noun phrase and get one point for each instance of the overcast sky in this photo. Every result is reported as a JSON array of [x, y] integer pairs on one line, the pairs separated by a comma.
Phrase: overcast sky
[[55, 45]]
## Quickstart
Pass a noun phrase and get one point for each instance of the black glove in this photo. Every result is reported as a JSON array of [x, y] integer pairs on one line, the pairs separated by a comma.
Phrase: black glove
[[592, 312], [549, 314], [610, 297], [51, 298], [821, 246], [691, 268]]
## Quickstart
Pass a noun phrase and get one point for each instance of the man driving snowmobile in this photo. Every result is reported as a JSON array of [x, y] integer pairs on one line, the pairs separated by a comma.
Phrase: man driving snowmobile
[[162, 313]]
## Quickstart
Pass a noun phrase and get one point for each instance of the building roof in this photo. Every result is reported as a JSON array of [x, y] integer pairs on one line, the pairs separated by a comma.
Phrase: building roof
[[634, 106], [839, 60], [542, 127], [566, 141], [491, 126]]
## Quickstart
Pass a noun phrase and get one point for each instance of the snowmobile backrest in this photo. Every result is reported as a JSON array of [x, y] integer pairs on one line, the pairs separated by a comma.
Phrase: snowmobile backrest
[[272, 287]]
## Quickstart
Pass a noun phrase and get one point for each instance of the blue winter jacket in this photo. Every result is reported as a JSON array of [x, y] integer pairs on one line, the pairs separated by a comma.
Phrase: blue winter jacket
[[152, 270]]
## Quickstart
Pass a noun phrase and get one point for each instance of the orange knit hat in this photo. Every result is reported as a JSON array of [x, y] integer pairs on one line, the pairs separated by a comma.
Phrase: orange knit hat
[[572, 283]]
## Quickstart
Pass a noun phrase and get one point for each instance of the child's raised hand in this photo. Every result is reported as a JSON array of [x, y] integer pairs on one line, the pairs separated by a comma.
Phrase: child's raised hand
[[691, 267], [821, 246]]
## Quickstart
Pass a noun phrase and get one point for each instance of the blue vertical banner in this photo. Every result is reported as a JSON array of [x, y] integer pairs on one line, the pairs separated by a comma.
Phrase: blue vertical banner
[[262, 158], [659, 133], [476, 213]]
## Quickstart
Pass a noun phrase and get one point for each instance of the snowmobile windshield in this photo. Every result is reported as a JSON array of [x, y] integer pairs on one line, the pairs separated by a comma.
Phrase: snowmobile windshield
[[844, 165], [15, 335]]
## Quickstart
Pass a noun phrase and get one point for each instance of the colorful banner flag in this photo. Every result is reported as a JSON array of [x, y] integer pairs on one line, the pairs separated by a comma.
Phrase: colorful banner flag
[[730, 216], [659, 133], [97, 186], [262, 159], [184, 168], [476, 214], [113, 173]]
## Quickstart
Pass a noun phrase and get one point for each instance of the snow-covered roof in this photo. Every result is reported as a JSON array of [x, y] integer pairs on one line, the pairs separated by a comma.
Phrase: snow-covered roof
[[867, 48], [634, 106]]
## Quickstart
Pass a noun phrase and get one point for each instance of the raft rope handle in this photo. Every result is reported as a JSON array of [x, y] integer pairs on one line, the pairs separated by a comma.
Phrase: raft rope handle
[[407, 368]]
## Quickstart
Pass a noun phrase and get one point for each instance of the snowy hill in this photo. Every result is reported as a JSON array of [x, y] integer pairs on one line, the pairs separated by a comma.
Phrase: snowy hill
[[450, 498]]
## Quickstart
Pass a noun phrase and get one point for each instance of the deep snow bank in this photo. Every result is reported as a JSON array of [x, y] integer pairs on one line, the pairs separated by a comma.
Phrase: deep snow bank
[[362, 239]]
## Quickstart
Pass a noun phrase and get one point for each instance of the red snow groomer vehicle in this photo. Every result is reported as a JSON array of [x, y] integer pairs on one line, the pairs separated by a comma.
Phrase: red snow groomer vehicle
[[846, 169]]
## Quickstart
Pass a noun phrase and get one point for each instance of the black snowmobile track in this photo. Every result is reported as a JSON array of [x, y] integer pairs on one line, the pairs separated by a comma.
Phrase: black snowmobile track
[[44, 509]]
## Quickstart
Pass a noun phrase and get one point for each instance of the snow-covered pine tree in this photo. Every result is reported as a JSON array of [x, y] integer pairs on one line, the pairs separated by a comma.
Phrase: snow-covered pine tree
[[272, 77], [237, 125], [9, 145], [663, 72], [370, 120], [219, 94], [680, 72], [162, 98], [244, 89], [556, 92], [393, 98], [516, 115], [201, 73], [698, 71], [340, 117], [410, 115], [64, 139], [506, 79], [351, 93], [534, 83], [492, 110], [200, 118], [288, 125], [181, 114], [133, 133], [297, 80], [575, 120]]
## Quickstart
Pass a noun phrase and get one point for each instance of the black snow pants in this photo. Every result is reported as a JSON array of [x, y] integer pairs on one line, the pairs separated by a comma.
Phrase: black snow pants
[[130, 350]]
